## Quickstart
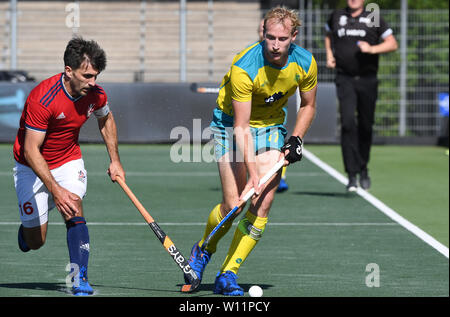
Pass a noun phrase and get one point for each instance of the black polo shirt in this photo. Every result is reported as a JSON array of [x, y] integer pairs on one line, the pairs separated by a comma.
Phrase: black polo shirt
[[345, 32]]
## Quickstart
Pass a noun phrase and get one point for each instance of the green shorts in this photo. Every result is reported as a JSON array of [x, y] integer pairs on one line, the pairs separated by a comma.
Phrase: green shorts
[[264, 139]]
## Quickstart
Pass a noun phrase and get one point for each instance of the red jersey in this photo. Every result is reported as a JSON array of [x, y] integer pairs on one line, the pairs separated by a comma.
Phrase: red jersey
[[50, 109]]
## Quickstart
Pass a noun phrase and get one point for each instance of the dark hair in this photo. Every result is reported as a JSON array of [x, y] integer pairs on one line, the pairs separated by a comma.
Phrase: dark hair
[[79, 50]]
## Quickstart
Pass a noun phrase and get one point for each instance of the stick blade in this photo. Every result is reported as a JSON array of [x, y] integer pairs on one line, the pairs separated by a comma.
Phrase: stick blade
[[189, 288]]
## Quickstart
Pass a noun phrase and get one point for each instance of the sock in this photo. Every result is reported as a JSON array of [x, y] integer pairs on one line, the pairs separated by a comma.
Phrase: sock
[[283, 173], [246, 236], [213, 220], [78, 243]]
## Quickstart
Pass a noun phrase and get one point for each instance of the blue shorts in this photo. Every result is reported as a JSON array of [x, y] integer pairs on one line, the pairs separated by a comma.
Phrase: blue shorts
[[264, 139]]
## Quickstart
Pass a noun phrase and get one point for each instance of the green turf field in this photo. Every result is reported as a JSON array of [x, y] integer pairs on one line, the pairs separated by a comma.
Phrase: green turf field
[[413, 180], [318, 242]]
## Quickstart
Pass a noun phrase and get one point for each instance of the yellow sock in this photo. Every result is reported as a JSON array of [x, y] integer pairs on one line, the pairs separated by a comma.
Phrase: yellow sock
[[245, 238], [283, 172], [213, 220]]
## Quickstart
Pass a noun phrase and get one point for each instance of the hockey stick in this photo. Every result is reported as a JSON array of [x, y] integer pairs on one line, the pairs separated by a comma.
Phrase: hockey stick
[[247, 196], [170, 247], [204, 90]]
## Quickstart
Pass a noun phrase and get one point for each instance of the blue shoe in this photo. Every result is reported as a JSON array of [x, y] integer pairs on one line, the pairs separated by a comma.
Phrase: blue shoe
[[226, 284], [198, 260], [83, 288], [22, 244], [283, 186]]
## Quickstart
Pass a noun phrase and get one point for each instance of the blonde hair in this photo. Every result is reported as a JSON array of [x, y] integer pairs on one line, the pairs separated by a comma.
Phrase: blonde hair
[[280, 14]]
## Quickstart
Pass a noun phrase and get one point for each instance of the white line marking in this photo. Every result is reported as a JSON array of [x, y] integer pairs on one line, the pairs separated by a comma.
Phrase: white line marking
[[337, 224], [380, 206]]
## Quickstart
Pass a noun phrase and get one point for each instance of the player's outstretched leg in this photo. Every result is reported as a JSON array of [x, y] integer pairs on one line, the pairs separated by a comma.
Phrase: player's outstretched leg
[[78, 245], [200, 258], [246, 236]]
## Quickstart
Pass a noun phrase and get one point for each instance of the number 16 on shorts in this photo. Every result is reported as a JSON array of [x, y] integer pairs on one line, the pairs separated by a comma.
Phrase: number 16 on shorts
[[26, 209]]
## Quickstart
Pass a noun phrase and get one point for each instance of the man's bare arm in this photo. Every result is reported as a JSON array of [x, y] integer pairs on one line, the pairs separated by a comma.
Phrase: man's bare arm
[[108, 130], [306, 113]]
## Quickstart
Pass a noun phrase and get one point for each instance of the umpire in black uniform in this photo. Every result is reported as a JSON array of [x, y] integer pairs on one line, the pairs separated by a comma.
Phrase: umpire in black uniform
[[354, 38]]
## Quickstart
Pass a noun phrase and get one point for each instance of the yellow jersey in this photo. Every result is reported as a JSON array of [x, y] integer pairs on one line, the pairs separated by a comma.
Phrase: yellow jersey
[[253, 78]]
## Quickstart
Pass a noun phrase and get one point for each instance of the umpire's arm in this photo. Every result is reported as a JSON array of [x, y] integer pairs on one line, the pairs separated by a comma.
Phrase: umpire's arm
[[108, 130], [389, 44]]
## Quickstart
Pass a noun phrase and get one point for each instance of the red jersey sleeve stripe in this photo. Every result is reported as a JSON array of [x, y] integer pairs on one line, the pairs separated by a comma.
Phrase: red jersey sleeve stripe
[[50, 98], [49, 92]]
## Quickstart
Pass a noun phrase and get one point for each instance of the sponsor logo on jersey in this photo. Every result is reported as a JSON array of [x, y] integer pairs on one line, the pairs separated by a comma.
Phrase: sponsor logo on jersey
[[274, 97], [351, 32]]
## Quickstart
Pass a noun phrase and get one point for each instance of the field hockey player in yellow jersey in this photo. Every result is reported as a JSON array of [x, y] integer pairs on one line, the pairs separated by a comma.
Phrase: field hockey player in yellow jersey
[[249, 133], [283, 185]]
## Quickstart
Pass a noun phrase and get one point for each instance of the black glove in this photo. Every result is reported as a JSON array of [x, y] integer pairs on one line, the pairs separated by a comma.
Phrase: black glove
[[295, 147]]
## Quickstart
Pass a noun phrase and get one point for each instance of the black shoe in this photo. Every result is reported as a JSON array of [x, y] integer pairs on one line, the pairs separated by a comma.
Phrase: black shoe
[[352, 185], [364, 180]]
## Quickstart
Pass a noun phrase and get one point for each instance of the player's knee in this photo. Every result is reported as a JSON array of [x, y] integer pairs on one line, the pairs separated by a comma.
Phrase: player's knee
[[227, 206], [262, 206], [78, 213]]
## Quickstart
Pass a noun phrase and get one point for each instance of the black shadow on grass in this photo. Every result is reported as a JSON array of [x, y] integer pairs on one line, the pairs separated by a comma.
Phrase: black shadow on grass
[[141, 289], [62, 288], [37, 286]]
